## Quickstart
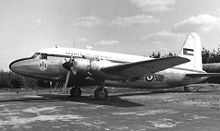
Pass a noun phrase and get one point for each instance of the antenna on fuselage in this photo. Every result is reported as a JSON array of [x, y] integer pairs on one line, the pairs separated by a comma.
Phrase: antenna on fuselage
[[56, 45]]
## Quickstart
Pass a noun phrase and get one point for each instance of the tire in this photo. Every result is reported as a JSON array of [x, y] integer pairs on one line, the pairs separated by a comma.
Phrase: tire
[[186, 89], [101, 94], [75, 92]]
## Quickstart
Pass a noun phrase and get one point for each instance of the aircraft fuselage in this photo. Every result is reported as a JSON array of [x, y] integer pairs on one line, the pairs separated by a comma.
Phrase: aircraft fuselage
[[51, 68], [80, 67]]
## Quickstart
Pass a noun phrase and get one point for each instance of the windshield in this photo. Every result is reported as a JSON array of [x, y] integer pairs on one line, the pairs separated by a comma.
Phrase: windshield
[[35, 55], [39, 56]]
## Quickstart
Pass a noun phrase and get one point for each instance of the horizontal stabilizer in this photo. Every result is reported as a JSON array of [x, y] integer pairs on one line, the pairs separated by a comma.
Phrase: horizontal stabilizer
[[145, 67]]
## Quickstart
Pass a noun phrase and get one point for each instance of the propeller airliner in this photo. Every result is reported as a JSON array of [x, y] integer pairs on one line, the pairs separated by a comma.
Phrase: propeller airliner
[[83, 67]]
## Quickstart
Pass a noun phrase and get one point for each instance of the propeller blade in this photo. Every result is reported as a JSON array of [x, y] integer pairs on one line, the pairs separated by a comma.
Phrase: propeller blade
[[67, 79], [71, 58], [72, 68]]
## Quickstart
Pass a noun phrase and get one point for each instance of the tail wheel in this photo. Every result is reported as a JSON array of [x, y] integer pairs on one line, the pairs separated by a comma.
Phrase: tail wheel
[[101, 94], [75, 92]]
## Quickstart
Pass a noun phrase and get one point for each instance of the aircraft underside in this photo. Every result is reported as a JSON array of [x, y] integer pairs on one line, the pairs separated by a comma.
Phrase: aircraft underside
[[153, 81]]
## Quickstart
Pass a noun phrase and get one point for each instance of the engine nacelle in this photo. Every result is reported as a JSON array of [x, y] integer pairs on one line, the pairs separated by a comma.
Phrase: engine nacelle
[[96, 67], [82, 66], [93, 66]]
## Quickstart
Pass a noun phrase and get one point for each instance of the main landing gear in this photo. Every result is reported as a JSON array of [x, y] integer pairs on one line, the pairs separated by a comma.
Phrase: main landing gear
[[75, 92], [186, 89], [100, 93]]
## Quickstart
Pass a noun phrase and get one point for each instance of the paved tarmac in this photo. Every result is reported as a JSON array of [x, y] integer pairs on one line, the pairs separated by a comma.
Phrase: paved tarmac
[[125, 111]]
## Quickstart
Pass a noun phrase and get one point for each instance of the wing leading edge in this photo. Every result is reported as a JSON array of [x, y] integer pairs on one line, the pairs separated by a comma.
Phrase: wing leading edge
[[144, 67]]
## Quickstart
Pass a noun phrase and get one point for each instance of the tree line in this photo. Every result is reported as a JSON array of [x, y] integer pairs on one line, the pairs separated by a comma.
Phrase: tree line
[[9, 79], [208, 56]]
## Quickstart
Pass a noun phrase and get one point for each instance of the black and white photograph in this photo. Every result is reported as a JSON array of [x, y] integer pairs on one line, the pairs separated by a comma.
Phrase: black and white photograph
[[109, 65]]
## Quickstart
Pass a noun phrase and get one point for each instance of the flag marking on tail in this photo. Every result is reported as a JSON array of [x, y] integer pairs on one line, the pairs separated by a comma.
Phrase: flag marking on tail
[[188, 51]]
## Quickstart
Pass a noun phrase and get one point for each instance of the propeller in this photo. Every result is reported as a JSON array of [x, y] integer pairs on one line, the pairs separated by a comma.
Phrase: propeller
[[71, 68], [69, 65]]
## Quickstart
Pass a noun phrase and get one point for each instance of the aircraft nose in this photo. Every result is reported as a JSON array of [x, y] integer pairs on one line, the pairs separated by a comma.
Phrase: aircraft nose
[[18, 66]]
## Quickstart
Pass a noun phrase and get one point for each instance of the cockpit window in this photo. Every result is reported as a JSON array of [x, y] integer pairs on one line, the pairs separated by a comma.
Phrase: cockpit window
[[43, 56], [35, 55], [40, 56]]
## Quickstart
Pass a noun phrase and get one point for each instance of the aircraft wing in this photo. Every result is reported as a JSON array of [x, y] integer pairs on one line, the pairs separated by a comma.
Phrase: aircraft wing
[[144, 67], [203, 75]]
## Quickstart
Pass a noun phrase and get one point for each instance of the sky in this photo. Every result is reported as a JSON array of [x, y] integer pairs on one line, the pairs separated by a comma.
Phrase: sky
[[126, 26]]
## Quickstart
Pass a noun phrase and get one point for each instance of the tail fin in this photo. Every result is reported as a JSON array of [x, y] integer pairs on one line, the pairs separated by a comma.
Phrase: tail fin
[[192, 50]]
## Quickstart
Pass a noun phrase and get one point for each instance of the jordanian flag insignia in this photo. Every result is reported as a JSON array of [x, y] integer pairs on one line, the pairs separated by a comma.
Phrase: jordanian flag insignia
[[188, 51]]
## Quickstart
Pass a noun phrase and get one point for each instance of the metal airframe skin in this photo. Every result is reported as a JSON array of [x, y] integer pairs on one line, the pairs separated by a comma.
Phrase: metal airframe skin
[[51, 68], [116, 69]]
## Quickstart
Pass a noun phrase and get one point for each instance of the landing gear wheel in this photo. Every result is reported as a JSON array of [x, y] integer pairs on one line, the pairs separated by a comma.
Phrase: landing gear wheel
[[101, 94], [75, 92], [186, 89]]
